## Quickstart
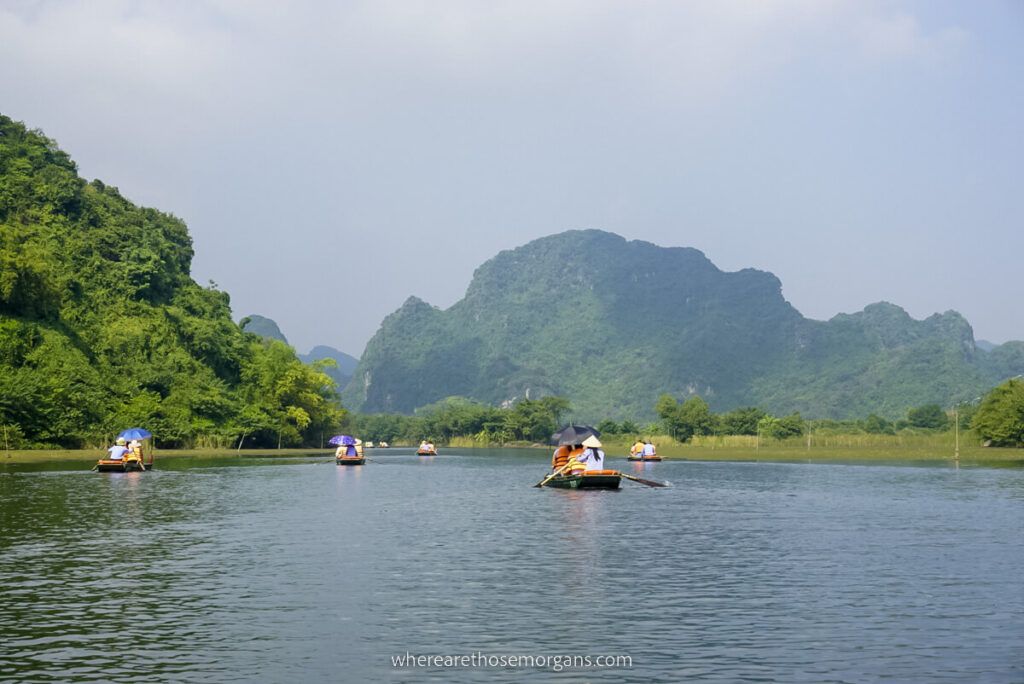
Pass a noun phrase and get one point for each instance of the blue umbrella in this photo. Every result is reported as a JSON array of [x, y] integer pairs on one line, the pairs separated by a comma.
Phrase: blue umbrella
[[342, 440], [136, 433]]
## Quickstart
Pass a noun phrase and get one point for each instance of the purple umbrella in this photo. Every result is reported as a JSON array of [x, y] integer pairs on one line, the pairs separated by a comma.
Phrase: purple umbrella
[[342, 440]]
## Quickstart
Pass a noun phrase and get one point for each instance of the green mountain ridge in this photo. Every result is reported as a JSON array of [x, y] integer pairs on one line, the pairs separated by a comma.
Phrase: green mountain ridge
[[612, 324]]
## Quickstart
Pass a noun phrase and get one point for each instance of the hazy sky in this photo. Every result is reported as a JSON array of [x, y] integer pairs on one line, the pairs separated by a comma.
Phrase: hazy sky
[[332, 159]]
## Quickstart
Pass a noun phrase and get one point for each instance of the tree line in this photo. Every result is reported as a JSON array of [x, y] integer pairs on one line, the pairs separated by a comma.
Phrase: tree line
[[102, 327]]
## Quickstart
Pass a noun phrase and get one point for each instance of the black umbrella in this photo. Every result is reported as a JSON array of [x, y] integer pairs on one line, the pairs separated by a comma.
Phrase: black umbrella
[[574, 434]]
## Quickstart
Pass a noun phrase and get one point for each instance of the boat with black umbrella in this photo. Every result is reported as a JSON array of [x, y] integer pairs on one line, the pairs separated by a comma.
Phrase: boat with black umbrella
[[570, 441]]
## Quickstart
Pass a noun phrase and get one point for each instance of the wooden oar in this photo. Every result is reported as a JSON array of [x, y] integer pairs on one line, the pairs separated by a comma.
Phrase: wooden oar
[[649, 483], [557, 472]]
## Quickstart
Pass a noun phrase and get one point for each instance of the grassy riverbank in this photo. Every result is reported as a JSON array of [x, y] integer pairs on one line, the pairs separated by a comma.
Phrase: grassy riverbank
[[828, 448], [832, 449], [58, 455]]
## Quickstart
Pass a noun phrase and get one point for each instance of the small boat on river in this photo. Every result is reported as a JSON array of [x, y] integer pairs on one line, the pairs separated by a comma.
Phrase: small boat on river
[[125, 456], [641, 457], [350, 460], [588, 479], [426, 449], [124, 465]]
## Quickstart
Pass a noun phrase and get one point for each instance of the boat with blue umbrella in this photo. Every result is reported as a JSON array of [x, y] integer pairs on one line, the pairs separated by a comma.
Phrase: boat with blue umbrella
[[349, 450], [127, 454]]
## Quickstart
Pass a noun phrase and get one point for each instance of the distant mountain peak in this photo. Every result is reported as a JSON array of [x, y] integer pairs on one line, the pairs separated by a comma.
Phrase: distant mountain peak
[[262, 326]]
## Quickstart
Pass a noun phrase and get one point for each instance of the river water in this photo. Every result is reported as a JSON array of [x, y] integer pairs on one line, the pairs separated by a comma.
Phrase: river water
[[297, 570]]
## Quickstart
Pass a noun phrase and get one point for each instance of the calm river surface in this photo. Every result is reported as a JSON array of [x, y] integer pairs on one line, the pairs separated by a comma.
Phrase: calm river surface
[[297, 570]]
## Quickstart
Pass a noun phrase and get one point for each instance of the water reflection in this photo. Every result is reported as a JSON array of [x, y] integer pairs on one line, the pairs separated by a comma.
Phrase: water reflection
[[215, 571]]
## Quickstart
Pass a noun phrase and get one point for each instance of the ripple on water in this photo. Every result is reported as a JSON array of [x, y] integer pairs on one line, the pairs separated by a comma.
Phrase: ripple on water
[[306, 571]]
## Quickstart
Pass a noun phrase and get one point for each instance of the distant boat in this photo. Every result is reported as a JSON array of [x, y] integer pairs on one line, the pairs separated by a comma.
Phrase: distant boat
[[641, 457], [350, 460], [428, 450]]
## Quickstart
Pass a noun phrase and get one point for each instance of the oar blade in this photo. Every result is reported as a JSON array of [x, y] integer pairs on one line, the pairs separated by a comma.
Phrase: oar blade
[[649, 483]]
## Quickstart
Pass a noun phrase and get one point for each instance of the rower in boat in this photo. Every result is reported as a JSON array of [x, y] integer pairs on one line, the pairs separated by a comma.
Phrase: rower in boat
[[636, 452], [120, 458], [592, 457], [586, 469], [426, 449], [348, 454], [649, 452], [560, 457], [117, 452], [349, 451]]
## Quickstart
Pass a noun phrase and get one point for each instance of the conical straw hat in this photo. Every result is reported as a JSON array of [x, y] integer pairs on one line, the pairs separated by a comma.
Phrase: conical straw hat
[[592, 442]]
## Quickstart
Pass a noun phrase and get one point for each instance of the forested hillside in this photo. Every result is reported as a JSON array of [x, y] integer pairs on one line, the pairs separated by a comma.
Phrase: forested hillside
[[612, 324], [102, 326]]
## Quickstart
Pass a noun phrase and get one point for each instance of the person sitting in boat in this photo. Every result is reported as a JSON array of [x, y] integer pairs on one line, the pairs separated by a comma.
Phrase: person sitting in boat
[[346, 451], [573, 462], [637, 449], [592, 457], [135, 447], [648, 450], [117, 452], [560, 457]]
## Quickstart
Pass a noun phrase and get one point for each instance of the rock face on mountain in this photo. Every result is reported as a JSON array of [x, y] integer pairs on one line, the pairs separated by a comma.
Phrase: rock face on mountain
[[612, 324]]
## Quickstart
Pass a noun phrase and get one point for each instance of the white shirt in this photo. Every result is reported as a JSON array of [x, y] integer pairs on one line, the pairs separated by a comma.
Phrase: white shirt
[[648, 449], [117, 452], [594, 458]]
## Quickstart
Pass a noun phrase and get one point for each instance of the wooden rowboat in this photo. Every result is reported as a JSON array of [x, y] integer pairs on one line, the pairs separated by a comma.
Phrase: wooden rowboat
[[350, 460], [644, 458], [588, 479], [426, 452], [127, 465]]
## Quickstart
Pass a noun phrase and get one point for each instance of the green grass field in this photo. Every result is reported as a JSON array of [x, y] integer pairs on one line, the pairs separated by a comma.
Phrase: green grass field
[[852, 448]]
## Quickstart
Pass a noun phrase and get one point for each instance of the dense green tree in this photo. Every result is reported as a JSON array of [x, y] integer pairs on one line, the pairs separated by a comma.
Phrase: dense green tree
[[876, 425], [628, 427], [929, 416], [741, 421], [102, 327], [683, 421], [1000, 417], [781, 428]]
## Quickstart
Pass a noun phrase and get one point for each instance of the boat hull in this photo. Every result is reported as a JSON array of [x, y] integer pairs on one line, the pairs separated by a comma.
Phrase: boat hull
[[426, 453], [107, 466], [356, 460], [594, 479], [643, 458]]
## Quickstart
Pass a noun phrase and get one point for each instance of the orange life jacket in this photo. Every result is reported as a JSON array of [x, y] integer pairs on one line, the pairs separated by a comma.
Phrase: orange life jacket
[[560, 457]]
